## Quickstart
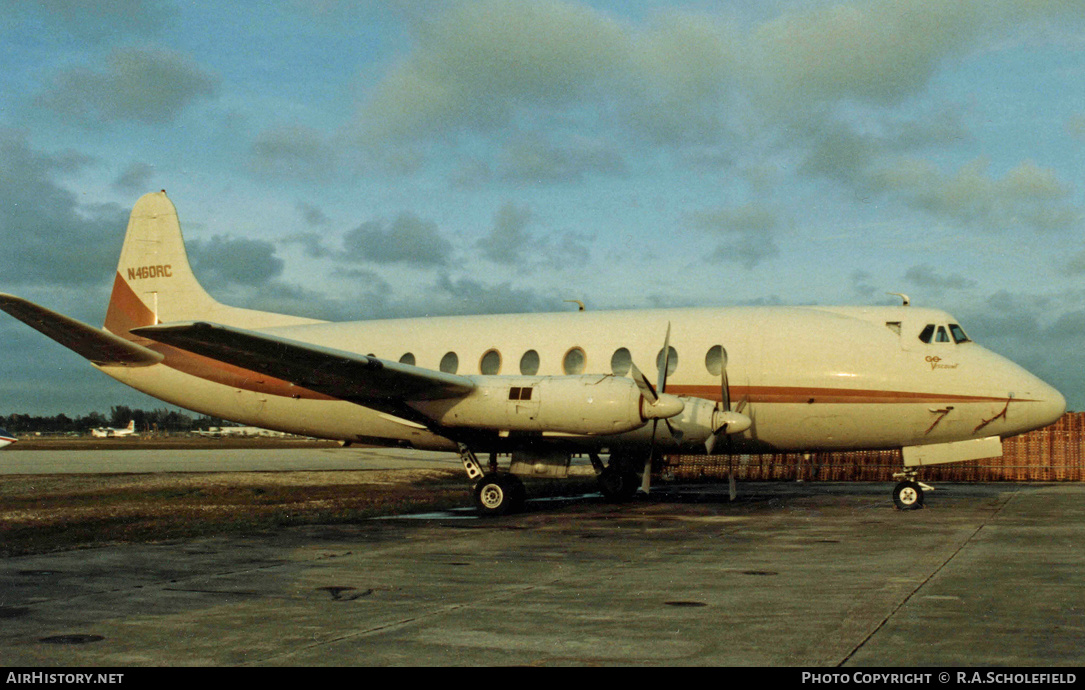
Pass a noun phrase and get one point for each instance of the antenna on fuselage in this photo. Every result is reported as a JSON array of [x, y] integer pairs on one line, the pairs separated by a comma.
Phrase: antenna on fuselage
[[578, 303], [904, 297]]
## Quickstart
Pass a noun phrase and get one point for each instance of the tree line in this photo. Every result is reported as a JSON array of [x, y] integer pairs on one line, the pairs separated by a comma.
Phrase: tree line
[[118, 417]]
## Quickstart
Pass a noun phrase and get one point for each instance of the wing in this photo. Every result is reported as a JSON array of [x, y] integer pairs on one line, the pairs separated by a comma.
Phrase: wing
[[97, 345], [346, 375]]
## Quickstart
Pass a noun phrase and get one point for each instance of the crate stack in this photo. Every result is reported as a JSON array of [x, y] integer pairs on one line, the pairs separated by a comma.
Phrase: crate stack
[[1054, 453]]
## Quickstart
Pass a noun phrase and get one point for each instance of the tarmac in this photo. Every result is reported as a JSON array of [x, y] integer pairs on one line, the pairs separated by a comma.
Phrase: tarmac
[[788, 574]]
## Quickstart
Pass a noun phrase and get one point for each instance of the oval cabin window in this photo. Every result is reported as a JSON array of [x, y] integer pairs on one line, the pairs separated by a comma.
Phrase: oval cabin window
[[450, 363], [529, 363], [490, 364], [574, 361]]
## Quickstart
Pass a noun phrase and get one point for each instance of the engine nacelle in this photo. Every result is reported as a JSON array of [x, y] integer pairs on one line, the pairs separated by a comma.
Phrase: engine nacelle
[[584, 405]]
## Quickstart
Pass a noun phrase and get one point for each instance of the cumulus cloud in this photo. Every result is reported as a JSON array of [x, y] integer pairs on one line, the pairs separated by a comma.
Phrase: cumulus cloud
[[406, 240], [49, 236], [509, 242], [536, 158], [472, 66], [747, 231], [94, 21], [879, 52], [222, 261], [926, 276], [151, 86], [293, 152], [135, 179], [1027, 196]]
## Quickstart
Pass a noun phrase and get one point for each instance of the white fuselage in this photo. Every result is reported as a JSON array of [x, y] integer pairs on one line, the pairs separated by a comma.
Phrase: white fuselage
[[810, 378]]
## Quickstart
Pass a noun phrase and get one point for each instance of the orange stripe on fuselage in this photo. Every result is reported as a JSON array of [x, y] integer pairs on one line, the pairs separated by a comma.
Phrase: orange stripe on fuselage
[[810, 395]]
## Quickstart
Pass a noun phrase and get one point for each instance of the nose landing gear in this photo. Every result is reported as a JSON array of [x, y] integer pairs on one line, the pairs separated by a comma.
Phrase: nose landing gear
[[908, 494]]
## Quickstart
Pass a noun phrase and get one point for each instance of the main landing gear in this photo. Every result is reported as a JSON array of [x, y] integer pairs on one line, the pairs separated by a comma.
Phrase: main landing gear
[[617, 481], [495, 493], [908, 494]]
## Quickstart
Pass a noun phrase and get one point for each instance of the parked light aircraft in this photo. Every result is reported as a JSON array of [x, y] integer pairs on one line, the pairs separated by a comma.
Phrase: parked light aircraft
[[543, 387], [6, 439], [108, 431]]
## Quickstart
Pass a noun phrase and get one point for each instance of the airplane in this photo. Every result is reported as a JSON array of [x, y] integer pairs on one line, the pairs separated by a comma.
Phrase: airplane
[[542, 388], [6, 439], [106, 431]]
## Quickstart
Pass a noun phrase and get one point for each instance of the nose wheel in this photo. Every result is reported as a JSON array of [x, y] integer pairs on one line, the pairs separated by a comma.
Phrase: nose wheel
[[908, 495]]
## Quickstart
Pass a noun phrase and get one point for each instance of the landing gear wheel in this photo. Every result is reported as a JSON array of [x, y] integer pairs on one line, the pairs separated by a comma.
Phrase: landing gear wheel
[[499, 494], [618, 485], [908, 496]]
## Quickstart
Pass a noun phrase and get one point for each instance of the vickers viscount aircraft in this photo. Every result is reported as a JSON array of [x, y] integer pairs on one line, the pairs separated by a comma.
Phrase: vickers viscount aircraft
[[6, 439], [541, 388]]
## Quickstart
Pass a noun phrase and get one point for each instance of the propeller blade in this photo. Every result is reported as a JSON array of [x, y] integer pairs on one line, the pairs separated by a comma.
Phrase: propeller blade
[[664, 362], [645, 386], [646, 477], [725, 386]]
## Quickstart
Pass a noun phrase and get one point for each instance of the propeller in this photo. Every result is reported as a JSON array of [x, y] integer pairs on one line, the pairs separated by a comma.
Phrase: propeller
[[660, 405], [726, 421]]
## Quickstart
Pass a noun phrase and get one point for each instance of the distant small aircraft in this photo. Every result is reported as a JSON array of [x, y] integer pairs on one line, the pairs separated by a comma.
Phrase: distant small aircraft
[[107, 431], [545, 387], [6, 439]]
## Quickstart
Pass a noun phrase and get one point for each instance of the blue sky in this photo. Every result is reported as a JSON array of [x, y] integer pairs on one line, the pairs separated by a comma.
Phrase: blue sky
[[350, 160]]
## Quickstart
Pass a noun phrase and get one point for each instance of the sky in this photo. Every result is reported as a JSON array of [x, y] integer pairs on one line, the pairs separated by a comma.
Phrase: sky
[[354, 160]]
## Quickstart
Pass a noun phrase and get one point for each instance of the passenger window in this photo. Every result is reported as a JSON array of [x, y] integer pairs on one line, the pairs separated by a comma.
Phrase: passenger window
[[621, 362], [958, 333], [407, 358], [927, 333], [450, 363], [574, 361], [529, 363], [943, 337], [672, 361], [713, 361], [490, 364]]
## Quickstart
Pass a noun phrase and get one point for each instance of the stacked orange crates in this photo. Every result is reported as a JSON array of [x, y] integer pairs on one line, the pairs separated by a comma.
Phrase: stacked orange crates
[[1054, 453]]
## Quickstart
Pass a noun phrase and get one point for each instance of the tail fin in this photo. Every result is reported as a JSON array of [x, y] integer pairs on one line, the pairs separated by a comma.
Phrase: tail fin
[[155, 283]]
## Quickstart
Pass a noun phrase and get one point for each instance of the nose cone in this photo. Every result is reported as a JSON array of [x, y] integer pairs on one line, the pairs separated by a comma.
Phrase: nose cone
[[1048, 407]]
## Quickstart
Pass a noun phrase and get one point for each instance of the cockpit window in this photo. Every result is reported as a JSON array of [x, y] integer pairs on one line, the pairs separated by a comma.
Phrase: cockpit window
[[943, 337], [958, 334], [927, 332]]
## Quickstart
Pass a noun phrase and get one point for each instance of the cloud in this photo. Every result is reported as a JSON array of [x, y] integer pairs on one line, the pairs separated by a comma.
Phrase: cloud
[[94, 21], [135, 179], [1027, 195], [150, 86], [878, 52], [747, 232], [926, 276], [474, 65], [223, 261], [406, 240], [49, 238], [537, 159], [511, 244], [293, 153]]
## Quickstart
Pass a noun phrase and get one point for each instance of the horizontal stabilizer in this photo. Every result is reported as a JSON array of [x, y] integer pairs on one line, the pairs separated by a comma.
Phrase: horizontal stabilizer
[[344, 375], [99, 346]]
